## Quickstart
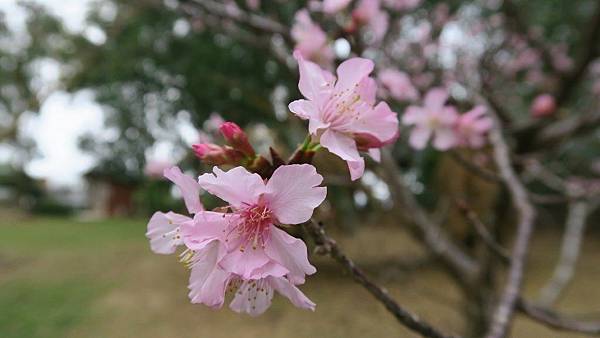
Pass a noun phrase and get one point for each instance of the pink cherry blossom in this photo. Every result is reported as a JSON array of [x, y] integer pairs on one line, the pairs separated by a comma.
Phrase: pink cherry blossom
[[334, 6], [342, 113], [433, 120], [254, 246], [472, 126], [311, 40], [398, 85], [543, 105], [164, 229], [369, 13]]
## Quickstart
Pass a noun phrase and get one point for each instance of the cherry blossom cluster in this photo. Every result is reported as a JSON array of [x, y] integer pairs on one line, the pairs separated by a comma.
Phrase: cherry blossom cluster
[[241, 250]]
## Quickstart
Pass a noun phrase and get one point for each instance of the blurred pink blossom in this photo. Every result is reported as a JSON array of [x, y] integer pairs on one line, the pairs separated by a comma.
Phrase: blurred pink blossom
[[368, 13], [311, 40], [560, 57], [543, 105], [398, 85], [154, 169], [342, 113], [472, 126], [434, 120], [334, 6], [213, 123], [402, 4]]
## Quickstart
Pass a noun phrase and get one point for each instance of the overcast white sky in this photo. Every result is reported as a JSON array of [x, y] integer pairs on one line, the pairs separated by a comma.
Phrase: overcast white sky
[[63, 117]]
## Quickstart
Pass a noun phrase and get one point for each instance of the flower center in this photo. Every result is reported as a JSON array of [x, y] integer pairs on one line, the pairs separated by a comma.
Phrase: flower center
[[343, 107], [254, 226]]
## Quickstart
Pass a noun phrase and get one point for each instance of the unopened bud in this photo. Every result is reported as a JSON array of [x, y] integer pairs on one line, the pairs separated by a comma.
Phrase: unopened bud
[[210, 153], [237, 138], [543, 105]]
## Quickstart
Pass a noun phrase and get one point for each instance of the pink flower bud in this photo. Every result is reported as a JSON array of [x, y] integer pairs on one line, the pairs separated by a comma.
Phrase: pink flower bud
[[237, 138], [543, 105], [211, 153]]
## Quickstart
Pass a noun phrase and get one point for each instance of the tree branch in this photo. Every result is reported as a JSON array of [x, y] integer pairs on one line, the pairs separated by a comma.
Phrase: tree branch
[[328, 246], [505, 309], [557, 321], [569, 253], [591, 40], [483, 232], [422, 227]]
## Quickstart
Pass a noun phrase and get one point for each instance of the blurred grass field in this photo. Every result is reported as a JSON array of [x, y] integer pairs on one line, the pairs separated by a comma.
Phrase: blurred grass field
[[64, 278]]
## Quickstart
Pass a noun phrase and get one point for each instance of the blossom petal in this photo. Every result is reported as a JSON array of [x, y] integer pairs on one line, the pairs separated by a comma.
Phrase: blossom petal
[[419, 137], [313, 80], [291, 253], [253, 297], [163, 232], [444, 139], [413, 115], [291, 292], [351, 72], [340, 144], [367, 90], [436, 98], [206, 227], [248, 264], [293, 193], [357, 169], [190, 189], [307, 110], [207, 280], [375, 154], [236, 186], [304, 109], [380, 122]]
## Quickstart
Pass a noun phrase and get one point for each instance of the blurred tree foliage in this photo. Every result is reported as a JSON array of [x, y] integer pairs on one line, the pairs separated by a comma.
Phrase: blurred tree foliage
[[21, 54], [155, 68]]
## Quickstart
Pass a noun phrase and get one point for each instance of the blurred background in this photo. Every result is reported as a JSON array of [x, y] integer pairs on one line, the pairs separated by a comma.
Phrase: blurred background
[[97, 97]]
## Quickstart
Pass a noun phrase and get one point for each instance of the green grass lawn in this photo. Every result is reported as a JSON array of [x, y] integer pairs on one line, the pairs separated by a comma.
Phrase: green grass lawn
[[63, 278]]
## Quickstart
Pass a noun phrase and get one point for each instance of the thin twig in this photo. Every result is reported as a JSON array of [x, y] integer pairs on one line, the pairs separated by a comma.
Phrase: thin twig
[[557, 321], [504, 311], [540, 314], [474, 168], [328, 246], [258, 22], [483, 232]]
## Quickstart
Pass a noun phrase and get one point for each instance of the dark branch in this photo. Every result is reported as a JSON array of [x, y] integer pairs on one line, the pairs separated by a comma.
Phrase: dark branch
[[557, 321], [328, 246]]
